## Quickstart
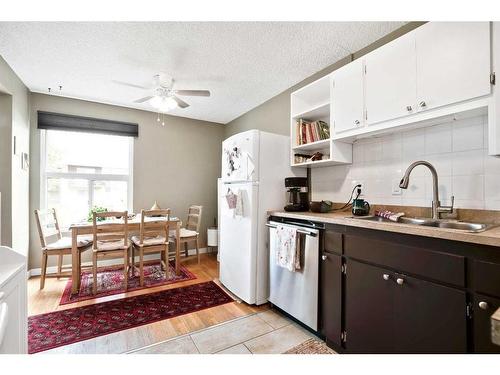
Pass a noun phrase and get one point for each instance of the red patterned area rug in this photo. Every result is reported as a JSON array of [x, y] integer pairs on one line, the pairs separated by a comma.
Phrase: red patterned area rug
[[58, 328], [110, 281]]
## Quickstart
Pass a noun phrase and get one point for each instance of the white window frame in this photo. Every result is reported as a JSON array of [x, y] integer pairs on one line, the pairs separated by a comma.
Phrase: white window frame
[[91, 177]]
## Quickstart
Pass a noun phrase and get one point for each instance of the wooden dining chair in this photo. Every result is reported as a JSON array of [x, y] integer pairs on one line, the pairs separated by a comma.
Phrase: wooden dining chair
[[110, 240], [191, 232], [48, 227], [152, 238]]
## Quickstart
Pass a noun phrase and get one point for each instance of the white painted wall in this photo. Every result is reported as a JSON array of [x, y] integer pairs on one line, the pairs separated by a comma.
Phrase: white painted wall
[[457, 149]]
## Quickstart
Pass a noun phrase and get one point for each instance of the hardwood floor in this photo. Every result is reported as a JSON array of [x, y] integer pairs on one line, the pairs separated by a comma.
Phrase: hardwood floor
[[46, 300]]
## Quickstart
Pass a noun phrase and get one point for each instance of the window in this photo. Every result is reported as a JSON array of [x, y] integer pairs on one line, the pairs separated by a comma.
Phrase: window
[[84, 170]]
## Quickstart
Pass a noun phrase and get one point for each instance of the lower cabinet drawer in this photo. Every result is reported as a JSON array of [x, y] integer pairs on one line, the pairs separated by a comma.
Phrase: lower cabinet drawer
[[486, 277], [332, 242], [444, 267]]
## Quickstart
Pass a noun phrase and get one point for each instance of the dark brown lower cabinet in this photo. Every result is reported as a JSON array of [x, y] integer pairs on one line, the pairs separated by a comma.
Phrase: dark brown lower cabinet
[[429, 318], [387, 312], [369, 309], [484, 307], [331, 297]]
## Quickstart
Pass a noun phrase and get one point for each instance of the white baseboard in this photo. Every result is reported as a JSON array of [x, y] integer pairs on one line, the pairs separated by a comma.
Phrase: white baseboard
[[105, 262]]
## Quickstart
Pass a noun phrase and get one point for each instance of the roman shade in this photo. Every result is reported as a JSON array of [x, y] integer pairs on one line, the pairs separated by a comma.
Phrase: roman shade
[[59, 121]]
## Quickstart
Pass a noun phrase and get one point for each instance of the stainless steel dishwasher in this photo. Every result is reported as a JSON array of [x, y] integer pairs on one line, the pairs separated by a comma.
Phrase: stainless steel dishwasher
[[297, 292]]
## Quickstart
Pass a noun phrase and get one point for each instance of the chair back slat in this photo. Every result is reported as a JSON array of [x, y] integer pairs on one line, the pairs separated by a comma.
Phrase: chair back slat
[[154, 223], [194, 218], [110, 230], [47, 224]]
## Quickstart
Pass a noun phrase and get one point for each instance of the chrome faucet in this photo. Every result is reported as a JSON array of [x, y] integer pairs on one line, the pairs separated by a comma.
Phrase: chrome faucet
[[437, 209]]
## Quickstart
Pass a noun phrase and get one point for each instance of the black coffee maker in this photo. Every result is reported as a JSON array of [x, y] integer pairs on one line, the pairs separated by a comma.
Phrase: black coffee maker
[[298, 196]]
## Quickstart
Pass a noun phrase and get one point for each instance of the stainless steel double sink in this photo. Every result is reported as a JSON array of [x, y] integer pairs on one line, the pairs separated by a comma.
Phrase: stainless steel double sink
[[427, 222]]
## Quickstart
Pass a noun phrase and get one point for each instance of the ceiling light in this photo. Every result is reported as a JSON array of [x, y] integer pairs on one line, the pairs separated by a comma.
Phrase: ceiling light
[[163, 103]]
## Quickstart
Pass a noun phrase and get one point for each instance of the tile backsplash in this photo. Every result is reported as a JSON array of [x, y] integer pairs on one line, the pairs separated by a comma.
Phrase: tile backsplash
[[458, 151]]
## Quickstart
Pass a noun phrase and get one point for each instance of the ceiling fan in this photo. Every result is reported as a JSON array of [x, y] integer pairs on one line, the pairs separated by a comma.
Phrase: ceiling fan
[[165, 97]]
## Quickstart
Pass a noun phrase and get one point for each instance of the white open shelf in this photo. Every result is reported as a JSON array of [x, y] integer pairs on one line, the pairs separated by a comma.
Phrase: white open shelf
[[312, 103], [318, 163], [307, 98], [324, 143], [316, 112]]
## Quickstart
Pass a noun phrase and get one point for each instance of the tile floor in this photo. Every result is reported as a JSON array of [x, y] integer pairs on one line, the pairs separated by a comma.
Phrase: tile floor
[[266, 332]]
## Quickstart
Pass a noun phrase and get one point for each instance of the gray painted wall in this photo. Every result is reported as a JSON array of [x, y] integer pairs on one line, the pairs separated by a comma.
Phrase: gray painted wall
[[274, 115], [177, 165], [15, 181], [5, 168]]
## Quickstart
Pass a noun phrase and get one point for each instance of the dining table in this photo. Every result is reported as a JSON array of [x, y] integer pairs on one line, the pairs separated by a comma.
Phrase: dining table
[[133, 225]]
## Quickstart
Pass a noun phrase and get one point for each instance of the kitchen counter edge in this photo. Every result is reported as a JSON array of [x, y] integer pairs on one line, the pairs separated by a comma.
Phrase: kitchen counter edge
[[490, 237]]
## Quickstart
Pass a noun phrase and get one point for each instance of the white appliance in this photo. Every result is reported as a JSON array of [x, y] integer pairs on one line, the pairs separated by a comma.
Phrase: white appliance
[[13, 302], [296, 292], [254, 166]]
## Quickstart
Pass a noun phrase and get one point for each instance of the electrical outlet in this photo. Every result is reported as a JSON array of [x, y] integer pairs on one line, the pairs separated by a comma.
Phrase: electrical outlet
[[396, 190], [356, 182]]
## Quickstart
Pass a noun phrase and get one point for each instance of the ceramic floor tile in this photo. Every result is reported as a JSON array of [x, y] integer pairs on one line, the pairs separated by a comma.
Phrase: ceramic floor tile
[[274, 319], [278, 341], [227, 335], [182, 345], [237, 349]]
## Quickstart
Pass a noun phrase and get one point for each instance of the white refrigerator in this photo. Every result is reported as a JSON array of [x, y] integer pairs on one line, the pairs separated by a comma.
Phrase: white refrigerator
[[254, 166]]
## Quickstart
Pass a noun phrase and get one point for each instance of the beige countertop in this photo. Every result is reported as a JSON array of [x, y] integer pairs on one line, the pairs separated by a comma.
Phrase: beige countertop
[[489, 237], [495, 327]]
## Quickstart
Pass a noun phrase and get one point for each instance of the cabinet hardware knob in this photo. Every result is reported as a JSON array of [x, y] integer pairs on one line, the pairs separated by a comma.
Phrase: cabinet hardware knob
[[483, 305], [409, 108], [324, 257], [356, 122], [385, 276], [400, 281], [422, 104]]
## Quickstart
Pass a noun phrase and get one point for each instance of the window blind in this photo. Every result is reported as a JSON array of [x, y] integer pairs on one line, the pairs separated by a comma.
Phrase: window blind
[[59, 121]]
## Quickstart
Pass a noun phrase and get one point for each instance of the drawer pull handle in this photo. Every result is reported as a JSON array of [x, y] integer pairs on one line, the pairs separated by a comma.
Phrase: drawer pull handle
[[483, 305], [324, 257], [400, 281], [385, 276]]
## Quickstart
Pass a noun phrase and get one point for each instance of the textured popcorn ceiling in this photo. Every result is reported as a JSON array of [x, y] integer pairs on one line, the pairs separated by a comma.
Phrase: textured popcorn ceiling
[[243, 64]]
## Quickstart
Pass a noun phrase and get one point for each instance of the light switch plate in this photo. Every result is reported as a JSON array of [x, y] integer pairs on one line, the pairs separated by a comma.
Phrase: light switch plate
[[396, 190]]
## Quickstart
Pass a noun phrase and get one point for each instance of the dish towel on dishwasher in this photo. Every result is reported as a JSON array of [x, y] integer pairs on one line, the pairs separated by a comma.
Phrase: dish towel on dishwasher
[[287, 247]]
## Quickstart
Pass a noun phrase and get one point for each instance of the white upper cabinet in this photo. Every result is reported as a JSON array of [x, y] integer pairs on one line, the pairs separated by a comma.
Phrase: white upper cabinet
[[391, 80], [347, 97], [453, 62]]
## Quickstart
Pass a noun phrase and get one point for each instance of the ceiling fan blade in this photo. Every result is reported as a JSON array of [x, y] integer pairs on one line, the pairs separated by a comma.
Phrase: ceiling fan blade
[[142, 100], [131, 85], [181, 103], [193, 92]]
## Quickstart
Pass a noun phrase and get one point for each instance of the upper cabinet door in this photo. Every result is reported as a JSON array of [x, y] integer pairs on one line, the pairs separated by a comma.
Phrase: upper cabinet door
[[348, 97], [453, 62], [391, 80]]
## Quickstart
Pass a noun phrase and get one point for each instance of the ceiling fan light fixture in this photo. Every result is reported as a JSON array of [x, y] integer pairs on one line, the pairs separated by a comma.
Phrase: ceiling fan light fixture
[[163, 103]]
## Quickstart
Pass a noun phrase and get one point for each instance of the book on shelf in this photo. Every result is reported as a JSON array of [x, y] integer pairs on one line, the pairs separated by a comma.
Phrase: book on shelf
[[311, 131]]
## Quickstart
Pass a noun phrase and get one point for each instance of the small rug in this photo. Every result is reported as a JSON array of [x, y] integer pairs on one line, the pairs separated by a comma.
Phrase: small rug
[[110, 281], [58, 328], [311, 346]]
